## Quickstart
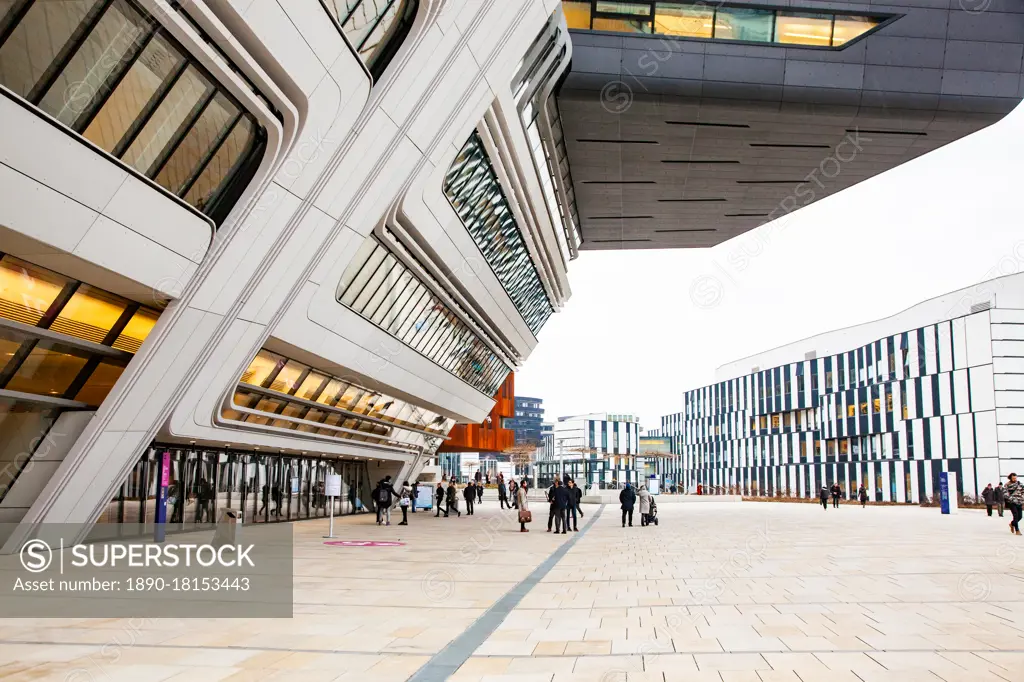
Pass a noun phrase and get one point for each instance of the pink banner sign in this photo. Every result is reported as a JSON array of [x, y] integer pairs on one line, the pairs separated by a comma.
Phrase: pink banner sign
[[363, 543], [165, 470]]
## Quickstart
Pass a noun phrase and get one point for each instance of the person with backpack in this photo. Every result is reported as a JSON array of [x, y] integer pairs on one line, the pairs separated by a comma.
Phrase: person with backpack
[[823, 495], [627, 500], [382, 496], [404, 500], [439, 499], [453, 499], [469, 492]]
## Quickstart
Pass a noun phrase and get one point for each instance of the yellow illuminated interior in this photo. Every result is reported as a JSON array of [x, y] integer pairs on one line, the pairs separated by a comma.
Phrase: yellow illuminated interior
[[622, 25], [89, 314], [260, 368], [577, 14], [848, 28], [803, 30], [287, 378], [136, 331], [26, 291]]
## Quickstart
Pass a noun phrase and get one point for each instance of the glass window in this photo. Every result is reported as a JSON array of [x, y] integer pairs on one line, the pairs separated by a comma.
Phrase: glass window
[[22, 425], [847, 28], [202, 138], [154, 66], [100, 383], [288, 377], [803, 29], [577, 14], [112, 41], [48, 370], [621, 25], [27, 291], [310, 385], [736, 23], [37, 40], [90, 314], [375, 28], [223, 164], [642, 9], [691, 21], [136, 331], [261, 368], [176, 108]]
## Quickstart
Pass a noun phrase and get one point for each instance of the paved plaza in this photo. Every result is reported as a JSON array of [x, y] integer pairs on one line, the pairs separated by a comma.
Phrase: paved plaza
[[749, 592]]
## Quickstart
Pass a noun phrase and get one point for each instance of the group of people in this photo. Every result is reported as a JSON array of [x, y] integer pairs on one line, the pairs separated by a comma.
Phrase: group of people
[[628, 499], [472, 493], [836, 491], [564, 505], [384, 496], [1011, 495]]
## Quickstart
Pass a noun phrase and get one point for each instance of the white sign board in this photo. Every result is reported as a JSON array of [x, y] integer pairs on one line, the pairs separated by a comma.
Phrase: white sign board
[[332, 487]]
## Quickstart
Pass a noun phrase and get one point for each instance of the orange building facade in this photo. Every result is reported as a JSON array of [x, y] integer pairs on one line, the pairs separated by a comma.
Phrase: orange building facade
[[489, 436]]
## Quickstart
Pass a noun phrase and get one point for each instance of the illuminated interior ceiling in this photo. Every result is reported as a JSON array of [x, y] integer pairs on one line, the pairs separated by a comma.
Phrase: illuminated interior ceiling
[[684, 142]]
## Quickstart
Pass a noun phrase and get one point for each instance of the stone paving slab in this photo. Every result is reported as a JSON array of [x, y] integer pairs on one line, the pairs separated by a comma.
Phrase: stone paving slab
[[716, 593]]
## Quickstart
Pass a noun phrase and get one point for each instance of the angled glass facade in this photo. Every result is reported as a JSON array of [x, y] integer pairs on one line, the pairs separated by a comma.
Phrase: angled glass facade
[[109, 72], [475, 193], [379, 287], [375, 28], [283, 393], [724, 21]]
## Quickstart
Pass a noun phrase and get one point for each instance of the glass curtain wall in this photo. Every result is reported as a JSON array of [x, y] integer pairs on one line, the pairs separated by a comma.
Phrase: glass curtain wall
[[265, 487], [106, 70], [280, 392], [475, 193], [378, 286], [63, 345], [375, 28], [722, 21]]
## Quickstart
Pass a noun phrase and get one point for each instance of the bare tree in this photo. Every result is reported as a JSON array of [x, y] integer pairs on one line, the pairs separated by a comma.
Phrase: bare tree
[[521, 455]]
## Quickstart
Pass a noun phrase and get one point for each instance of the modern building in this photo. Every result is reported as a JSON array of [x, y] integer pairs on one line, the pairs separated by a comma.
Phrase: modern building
[[690, 122], [601, 449], [528, 421], [255, 242], [258, 242], [889, 405]]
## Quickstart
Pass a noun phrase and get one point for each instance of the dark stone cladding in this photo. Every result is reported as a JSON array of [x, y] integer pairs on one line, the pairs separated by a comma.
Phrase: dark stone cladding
[[939, 71]]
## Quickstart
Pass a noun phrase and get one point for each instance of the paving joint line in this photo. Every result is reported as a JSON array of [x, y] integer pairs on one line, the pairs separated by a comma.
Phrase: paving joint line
[[443, 664]]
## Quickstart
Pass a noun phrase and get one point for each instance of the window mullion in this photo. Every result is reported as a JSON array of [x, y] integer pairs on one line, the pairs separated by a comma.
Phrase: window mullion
[[71, 46], [218, 142], [380, 18], [151, 107], [181, 134], [90, 112], [15, 18]]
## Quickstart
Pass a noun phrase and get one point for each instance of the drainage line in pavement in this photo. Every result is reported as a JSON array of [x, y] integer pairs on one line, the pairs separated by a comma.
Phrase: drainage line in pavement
[[445, 662]]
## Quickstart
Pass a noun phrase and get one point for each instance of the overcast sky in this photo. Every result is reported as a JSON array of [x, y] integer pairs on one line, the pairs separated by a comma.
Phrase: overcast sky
[[643, 326]]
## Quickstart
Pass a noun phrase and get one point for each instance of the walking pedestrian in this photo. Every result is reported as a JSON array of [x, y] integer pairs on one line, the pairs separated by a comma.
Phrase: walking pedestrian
[[863, 495], [579, 500], [1013, 493], [525, 516], [453, 498], [999, 495], [479, 491], [502, 494], [404, 498], [836, 492], [439, 499], [988, 494], [414, 494], [469, 492], [627, 499], [645, 505], [824, 497]]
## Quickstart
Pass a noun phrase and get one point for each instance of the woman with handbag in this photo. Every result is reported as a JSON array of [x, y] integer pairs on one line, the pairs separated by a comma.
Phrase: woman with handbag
[[525, 516], [404, 498]]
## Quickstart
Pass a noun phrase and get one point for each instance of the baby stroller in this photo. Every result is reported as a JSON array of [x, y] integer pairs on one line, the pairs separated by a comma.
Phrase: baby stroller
[[653, 516]]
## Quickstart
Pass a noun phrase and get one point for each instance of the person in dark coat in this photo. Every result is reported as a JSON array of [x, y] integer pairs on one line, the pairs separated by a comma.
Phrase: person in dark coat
[[563, 498], [513, 492], [570, 510], [836, 492], [824, 497], [863, 495], [414, 494], [989, 495], [452, 498], [552, 505], [999, 495], [1014, 495], [627, 499], [439, 500], [502, 494], [469, 492]]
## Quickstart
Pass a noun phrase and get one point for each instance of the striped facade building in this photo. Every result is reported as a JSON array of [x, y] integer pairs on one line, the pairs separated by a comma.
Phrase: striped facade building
[[888, 404]]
